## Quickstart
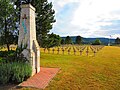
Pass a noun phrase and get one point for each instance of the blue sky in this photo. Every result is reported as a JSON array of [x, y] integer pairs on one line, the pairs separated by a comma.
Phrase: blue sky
[[87, 18]]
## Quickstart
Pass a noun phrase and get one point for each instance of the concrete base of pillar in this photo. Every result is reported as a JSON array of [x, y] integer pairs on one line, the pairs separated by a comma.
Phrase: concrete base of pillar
[[37, 69], [33, 72]]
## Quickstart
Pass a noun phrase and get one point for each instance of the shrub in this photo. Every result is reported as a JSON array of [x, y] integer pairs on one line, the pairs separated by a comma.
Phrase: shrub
[[3, 53], [7, 53], [2, 60], [14, 72], [14, 67], [96, 42], [4, 73], [12, 56]]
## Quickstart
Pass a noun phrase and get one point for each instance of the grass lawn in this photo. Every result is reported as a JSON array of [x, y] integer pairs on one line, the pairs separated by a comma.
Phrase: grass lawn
[[101, 72]]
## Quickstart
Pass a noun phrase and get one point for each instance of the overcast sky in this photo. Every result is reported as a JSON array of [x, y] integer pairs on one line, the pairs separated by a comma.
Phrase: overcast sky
[[87, 18]]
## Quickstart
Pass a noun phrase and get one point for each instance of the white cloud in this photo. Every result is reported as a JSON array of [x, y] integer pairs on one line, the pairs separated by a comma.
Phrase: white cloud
[[92, 14], [62, 3], [88, 17], [59, 4]]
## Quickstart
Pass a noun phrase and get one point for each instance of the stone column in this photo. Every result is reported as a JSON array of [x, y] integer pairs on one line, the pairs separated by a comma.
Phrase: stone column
[[27, 37]]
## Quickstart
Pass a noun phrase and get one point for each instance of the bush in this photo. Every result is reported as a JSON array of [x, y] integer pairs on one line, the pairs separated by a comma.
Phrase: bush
[[4, 73], [7, 56], [1, 60], [12, 56], [96, 42], [14, 68], [14, 72], [7, 53], [3, 53]]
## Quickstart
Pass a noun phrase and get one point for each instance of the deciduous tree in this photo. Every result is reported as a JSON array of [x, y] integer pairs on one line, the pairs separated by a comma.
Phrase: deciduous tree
[[117, 40], [62, 41], [8, 25], [96, 42], [68, 40], [52, 40], [78, 40]]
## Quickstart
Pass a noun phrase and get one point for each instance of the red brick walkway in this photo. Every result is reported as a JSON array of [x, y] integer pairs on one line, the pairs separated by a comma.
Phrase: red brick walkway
[[41, 79]]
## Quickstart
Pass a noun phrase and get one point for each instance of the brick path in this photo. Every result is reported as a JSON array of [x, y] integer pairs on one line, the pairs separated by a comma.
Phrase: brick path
[[41, 79]]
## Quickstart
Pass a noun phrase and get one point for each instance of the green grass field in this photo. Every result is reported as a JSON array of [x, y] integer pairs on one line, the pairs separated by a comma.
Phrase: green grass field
[[101, 72]]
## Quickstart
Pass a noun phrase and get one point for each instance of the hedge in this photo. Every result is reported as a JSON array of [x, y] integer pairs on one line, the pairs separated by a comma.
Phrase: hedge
[[14, 72]]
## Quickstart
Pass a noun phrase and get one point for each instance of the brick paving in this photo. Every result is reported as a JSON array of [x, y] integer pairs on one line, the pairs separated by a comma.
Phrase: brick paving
[[41, 79]]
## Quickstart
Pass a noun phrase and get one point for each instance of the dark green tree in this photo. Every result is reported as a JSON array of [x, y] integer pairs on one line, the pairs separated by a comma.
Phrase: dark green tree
[[68, 40], [117, 40], [97, 42], [44, 20], [52, 40], [8, 25], [62, 41], [78, 40]]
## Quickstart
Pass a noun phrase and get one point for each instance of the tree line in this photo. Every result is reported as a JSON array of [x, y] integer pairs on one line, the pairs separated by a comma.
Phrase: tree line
[[68, 40], [80, 40]]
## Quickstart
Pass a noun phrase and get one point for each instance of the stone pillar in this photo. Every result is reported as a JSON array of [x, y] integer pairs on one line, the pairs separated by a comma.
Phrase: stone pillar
[[27, 37]]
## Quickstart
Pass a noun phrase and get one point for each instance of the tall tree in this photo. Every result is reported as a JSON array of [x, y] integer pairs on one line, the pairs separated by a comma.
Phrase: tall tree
[[62, 41], [8, 25], [78, 40], [68, 40], [52, 40], [45, 19], [117, 40]]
